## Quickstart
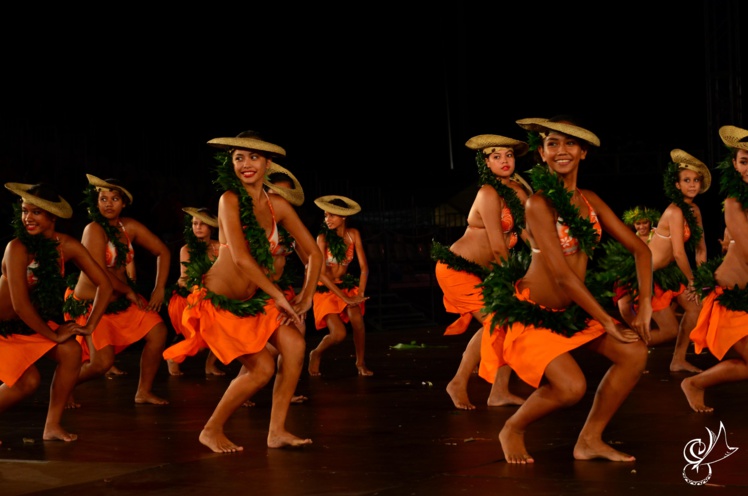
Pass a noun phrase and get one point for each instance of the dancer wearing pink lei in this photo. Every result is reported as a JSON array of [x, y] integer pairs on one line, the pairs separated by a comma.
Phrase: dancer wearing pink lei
[[722, 326]]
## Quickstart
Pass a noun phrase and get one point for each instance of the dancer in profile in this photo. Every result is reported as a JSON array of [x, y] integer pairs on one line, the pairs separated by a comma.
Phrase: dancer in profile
[[722, 325], [195, 258], [238, 309], [340, 295], [32, 286], [495, 224], [111, 238], [548, 311]]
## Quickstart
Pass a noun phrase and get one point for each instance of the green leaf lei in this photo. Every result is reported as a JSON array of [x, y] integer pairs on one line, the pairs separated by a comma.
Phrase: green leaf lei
[[91, 202], [731, 183], [676, 196], [442, 253], [552, 187], [485, 176], [47, 294], [200, 261], [499, 298], [259, 245], [335, 243], [734, 299]]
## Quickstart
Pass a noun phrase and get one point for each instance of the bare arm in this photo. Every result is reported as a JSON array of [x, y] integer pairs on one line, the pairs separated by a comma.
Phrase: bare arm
[[737, 224], [143, 237], [488, 204]]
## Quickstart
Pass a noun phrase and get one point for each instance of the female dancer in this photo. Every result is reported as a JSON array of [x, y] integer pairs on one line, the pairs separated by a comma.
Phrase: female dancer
[[547, 309], [495, 223], [32, 286], [130, 317], [340, 295], [195, 258], [722, 326], [238, 309], [642, 220]]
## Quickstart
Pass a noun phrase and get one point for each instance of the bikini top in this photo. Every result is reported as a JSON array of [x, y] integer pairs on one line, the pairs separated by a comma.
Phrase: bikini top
[[330, 260], [32, 279], [569, 244], [507, 224], [111, 252], [276, 248], [686, 232]]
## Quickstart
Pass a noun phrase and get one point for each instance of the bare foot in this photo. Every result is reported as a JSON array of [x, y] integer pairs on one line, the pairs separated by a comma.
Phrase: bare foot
[[57, 433], [504, 398], [173, 367], [363, 370], [586, 450], [459, 396], [249, 403], [113, 370], [213, 370], [695, 396], [683, 366], [314, 363], [299, 398], [286, 440], [513, 444], [218, 442], [71, 404], [150, 398]]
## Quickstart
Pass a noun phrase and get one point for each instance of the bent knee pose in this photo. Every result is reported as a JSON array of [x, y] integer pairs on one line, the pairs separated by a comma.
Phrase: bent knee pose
[[564, 224], [32, 287], [495, 224]]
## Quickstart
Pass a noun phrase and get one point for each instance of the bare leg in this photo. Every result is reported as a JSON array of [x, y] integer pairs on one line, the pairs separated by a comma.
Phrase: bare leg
[[259, 369], [150, 361], [359, 339], [173, 367], [565, 386], [667, 327], [500, 394], [688, 322], [114, 370], [727, 370], [25, 386], [337, 334], [210, 364], [291, 346], [629, 361], [68, 358], [99, 362], [457, 387]]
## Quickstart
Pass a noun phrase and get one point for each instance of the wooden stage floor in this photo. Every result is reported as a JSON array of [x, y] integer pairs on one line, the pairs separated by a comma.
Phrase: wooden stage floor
[[396, 433]]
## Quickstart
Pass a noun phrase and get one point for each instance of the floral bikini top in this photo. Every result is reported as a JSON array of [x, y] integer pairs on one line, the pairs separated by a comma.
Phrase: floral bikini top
[[111, 252], [507, 226], [330, 260], [569, 244], [686, 232], [31, 278]]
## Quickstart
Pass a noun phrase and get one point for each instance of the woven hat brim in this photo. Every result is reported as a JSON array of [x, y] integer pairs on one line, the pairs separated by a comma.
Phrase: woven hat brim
[[207, 219], [486, 141], [734, 137], [295, 195], [323, 202], [60, 208], [247, 143], [100, 183], [540, 125], [687, 161], [517, 178]]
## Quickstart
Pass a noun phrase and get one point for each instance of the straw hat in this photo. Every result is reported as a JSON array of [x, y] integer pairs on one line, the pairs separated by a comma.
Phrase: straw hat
[[247, 143], [204, 216], [325, 203], [59, 208], [540, 125], [734, 137], [295, 194], [488, 143], [517, 178], [689, 162], [101, 184]]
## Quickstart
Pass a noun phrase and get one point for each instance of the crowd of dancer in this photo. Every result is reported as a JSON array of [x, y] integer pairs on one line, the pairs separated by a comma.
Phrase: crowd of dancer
[[252, 271]]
